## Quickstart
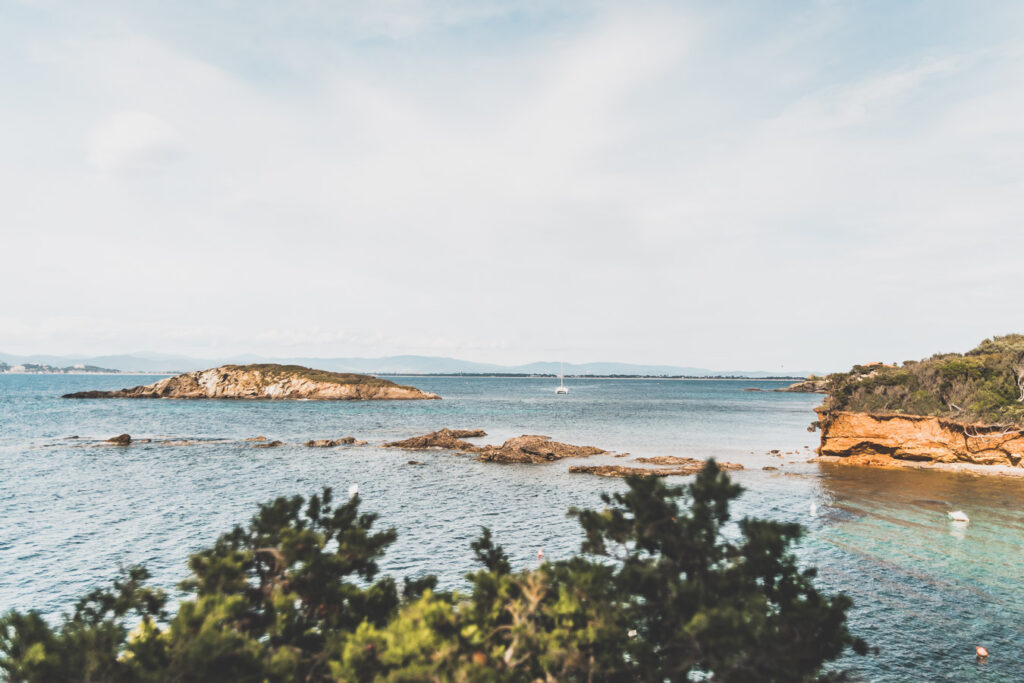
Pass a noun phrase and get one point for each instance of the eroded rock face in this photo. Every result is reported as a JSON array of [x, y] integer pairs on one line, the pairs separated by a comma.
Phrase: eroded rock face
[[267, 382], [881, 439], [448, 439]]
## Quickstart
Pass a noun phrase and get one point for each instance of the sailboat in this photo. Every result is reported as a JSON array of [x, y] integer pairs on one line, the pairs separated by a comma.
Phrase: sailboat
[[562, 389]]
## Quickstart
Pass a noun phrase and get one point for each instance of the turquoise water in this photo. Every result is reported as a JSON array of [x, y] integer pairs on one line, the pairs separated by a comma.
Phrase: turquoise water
[[926, 591]]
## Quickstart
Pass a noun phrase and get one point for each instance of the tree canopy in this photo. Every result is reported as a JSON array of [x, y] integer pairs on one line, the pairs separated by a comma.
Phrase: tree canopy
[[660, 591]]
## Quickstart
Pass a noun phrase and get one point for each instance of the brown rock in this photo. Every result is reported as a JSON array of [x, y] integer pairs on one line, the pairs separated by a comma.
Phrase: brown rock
[[269, 444], [622, 471], [811, 385], [120, 439], [534, 449], [267, 381], [330, 443], [891, 438], [670, 460], [414, 462], [521, 449], [257, 438], [450, 439]]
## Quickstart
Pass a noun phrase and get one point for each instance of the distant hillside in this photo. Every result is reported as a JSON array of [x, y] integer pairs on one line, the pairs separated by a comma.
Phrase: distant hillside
[[394, 365]]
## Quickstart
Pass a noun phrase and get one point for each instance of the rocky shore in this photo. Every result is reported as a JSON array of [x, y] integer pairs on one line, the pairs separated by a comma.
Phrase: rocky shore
[[276, 382]]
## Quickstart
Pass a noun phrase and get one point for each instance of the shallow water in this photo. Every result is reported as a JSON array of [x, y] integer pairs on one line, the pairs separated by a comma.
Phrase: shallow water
[[926, 590]]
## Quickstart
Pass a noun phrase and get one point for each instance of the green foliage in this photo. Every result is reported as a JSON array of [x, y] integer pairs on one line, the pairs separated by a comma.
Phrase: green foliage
[[275, 371], [982, 385], [661, 592]]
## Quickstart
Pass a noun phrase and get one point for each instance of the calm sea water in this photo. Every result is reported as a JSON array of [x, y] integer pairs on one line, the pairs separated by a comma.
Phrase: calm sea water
[[926, 591]]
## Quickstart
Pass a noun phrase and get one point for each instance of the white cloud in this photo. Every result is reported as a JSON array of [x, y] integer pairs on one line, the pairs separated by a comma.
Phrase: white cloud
[[133, 141], [634, 183]]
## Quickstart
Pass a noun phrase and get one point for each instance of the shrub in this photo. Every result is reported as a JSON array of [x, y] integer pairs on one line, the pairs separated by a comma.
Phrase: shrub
[[658, 593]]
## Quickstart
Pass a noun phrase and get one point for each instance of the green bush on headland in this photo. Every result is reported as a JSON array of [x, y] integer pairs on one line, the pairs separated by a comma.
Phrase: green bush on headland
[[659, 593], [986, 384]]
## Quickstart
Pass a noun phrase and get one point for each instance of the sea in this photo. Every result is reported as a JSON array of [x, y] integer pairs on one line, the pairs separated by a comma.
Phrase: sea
[[926, 590]]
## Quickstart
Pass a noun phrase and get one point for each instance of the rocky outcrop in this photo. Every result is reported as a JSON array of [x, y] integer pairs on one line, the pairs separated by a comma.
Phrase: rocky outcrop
[[811, 385], [686, 467], [522, 449], [331, 443], [447, 439], [268, 444], [267, 382], [892, 439], [121, 440], [688, 462], [534, 449]]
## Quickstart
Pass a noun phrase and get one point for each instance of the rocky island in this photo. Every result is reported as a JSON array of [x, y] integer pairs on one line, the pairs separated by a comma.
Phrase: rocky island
[[950, 411], [267, 381]]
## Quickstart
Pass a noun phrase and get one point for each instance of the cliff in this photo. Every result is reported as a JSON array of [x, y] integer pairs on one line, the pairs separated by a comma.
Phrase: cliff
[[880, 439], [267, 382]]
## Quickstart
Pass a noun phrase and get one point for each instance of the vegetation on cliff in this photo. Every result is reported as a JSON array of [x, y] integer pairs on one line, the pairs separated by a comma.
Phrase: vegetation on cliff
[[985, 385], [660, 592]]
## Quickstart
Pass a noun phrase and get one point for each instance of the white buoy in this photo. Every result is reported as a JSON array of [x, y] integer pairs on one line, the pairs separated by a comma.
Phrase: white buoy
[[353, 490], [958, 516], [814, 509]]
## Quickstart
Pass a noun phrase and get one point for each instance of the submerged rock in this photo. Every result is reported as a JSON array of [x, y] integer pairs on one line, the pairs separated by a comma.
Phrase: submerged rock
[[269, 444], [670, 460], [267, 381], [330, 443], [692, 467], [257, 438], [120, 440]]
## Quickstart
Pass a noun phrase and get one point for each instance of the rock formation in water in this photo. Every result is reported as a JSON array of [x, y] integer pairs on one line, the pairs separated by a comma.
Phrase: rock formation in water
[[811, 385], [522, 449], [331, 443], [534, 449], [267, 382], [887, 439], [447, 439], [690, 466]]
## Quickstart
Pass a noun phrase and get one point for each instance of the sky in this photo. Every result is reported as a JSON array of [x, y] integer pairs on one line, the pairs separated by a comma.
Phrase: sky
[[730, 185]]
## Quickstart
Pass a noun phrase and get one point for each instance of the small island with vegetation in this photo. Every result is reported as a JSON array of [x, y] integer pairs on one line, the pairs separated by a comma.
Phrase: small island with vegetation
[[267, 381], [950, 409]]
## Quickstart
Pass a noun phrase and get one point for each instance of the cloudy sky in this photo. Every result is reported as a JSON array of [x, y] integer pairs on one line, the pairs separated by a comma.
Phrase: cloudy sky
[[727, 185]]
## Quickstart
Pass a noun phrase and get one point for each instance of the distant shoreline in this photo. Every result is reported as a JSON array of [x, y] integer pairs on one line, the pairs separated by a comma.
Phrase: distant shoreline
[[456, 376], [659, 377]]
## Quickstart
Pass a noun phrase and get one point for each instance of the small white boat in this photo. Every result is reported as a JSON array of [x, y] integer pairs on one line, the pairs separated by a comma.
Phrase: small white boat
[[562, 389], [958, 516]]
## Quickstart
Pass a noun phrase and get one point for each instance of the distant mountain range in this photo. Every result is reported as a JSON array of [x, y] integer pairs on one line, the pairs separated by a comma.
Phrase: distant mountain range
[[393, 365]]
